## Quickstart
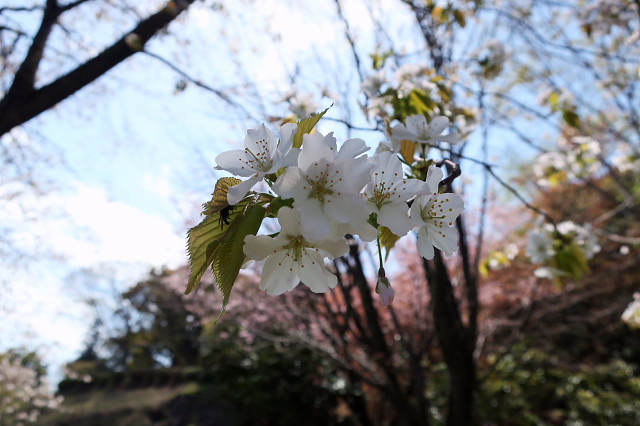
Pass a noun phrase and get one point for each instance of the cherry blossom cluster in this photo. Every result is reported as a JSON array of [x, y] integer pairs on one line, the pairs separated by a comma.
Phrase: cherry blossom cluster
[[320, 192], [561, 248], [576, 158], [23, 395]]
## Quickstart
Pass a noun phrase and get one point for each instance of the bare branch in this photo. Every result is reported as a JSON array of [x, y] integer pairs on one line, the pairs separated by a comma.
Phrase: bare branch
[[22, 103], [19, 9], [518, 196], [347, 33], [72, 5], [198, 83], [24, 80]]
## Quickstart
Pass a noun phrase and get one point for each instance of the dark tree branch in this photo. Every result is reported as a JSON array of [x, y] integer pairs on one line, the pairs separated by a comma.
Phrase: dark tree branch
[[456, 343], [23, 102], [72, 5], [347, 33], [24, 80], [19, 9]]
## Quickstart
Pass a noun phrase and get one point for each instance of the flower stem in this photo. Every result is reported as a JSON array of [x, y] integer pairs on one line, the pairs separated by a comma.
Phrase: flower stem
[[381, 270]]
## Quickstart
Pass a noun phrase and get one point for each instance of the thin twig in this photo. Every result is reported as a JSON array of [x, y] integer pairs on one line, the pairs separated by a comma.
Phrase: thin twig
[[197, 82], [519, 197]]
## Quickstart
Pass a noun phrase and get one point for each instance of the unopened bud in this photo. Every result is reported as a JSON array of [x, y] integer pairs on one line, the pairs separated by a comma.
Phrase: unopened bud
[[385, 291]]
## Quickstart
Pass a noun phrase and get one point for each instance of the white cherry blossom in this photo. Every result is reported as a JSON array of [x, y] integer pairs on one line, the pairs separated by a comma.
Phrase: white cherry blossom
[[550, 273], [540, 246], [417, 129], [372, 85], [388, 191], [631, 315], [262, 155], [325, 186], [303, 104], [291, 258], [435, 214]]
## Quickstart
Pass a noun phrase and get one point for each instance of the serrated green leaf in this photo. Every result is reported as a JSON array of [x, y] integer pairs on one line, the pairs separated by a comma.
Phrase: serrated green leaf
[[229, 255], [201, 237], [387, 240], [306, 126], [219, 196]]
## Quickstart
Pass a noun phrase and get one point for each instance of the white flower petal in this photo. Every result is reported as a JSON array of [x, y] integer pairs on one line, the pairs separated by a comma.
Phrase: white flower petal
[[345, 209], [314, 150], [289, 220], [332, 143], [236, 193], [364, 230], [292, 184], [410, 187], [400, 132], [313, 224], [261, 140], [438, 125], [351, 148], [287, 132], [357, 172], [235, 162], [288, 159], [394, 216], [314, 275], [434, 176], [279, 274], [446, 239], [417, 124], [333, 248], [452, 205], [424, 244], [260, 246], [415, 212], [452, 138]]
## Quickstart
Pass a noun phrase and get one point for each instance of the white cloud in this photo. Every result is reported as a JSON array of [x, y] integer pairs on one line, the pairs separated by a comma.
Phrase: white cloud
[[40, 306], [93, 229]]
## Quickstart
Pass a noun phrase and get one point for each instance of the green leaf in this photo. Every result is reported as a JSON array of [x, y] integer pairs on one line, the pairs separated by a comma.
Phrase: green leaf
[[219, 196], [571, 118], [387, 240], [202, 240], [306, 126], [420, 102], [554, 101], [460, 17], [229, 256], [485, 267], [379, 58]]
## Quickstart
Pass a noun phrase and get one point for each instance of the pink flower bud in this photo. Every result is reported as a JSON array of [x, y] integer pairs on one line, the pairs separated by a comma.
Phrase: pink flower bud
[[385, 291]]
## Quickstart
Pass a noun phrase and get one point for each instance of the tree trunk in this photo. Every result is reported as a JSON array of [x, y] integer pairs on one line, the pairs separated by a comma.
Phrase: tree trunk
[[457, 344]]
